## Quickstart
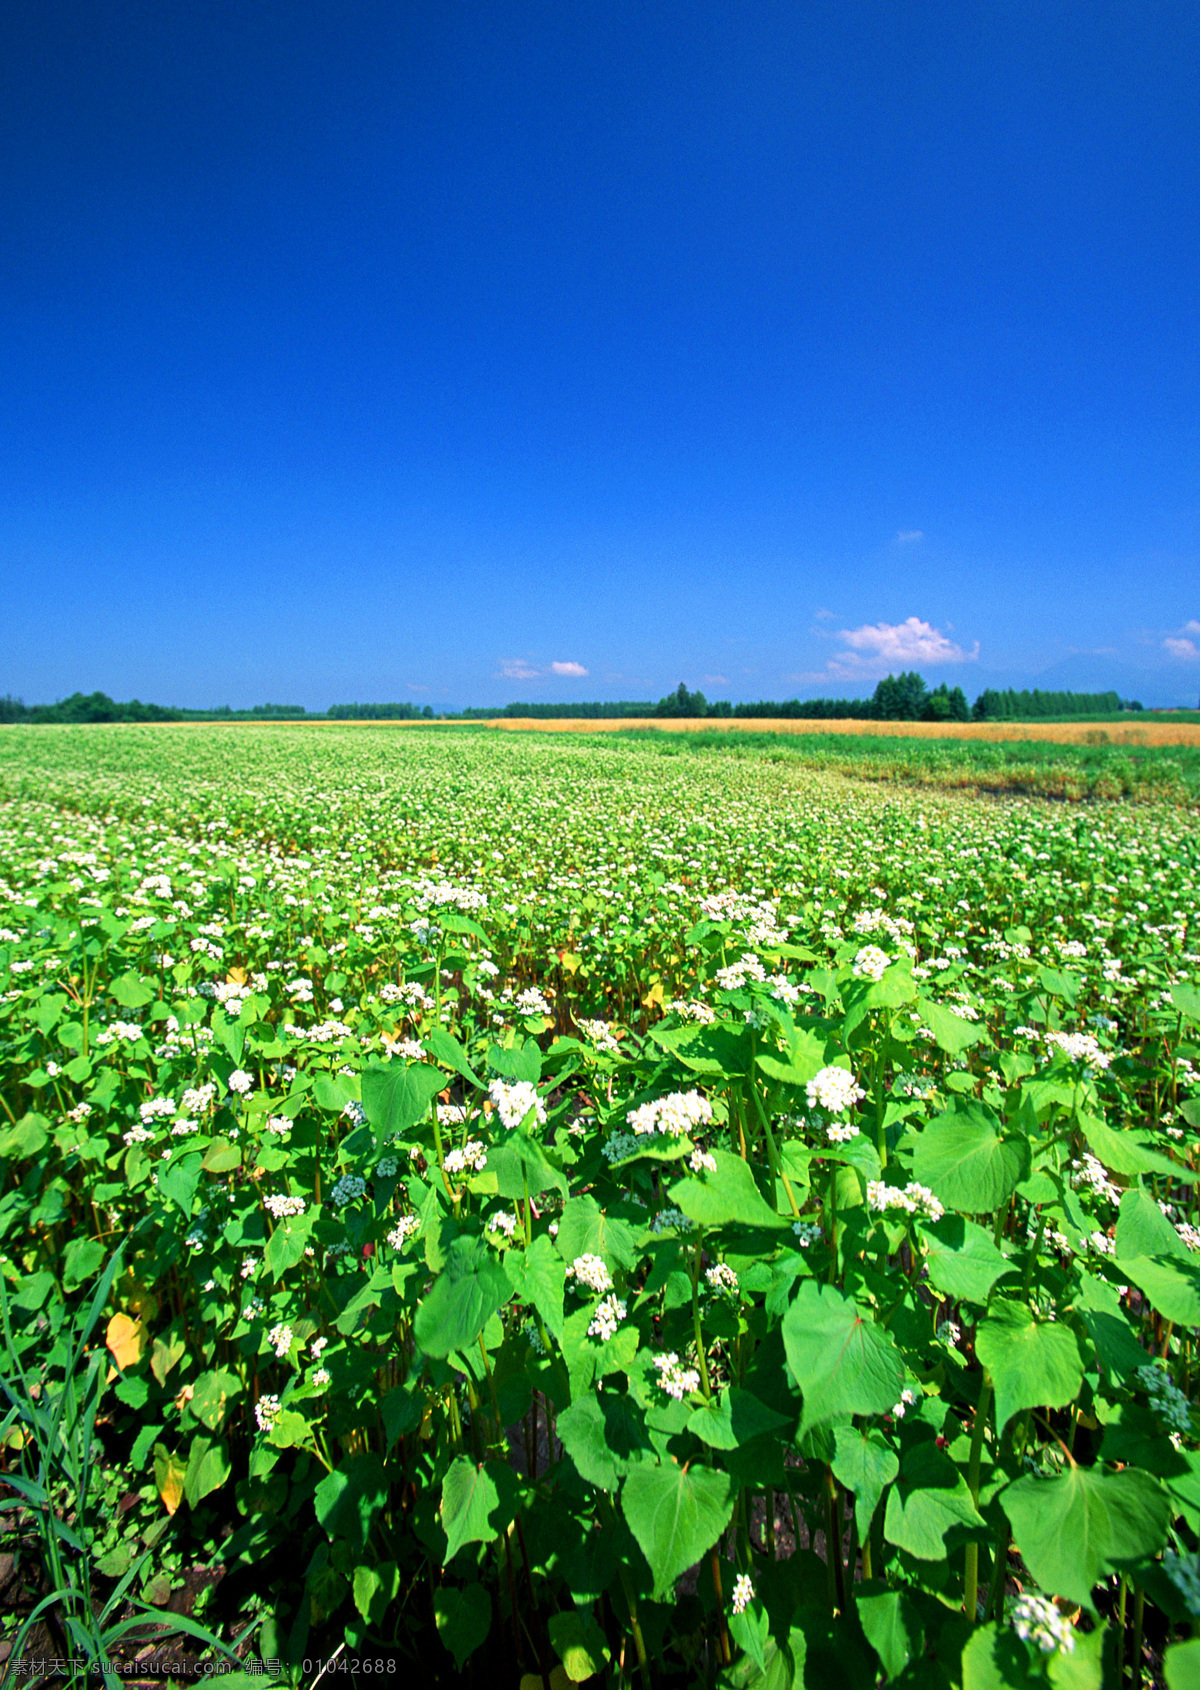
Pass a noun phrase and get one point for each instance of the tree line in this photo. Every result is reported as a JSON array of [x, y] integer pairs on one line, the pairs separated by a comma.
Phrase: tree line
[[897, 698]]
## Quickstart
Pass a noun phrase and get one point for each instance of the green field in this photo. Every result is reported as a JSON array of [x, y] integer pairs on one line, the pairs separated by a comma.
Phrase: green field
[[526, 1208]]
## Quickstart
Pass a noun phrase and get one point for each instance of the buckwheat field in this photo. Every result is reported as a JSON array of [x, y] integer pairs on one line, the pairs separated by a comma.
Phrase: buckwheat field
[[521, 1210]]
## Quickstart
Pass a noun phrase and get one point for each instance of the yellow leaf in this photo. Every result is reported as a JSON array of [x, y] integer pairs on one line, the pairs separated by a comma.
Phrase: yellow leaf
[[164, 1355], [570, 962], [654, 995], [236, 977], [125, 1339], [169, 1474]]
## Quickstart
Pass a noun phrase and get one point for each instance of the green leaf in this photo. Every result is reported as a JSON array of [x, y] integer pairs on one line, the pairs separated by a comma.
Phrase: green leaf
[[995, 1658], [1187, 1001], [1172, 1286], [445, 1048], [397, 1095], [866, 1464], [463, 1618], [81, 1260], [211, 1396], [929, 1498], [727, 1198], [521, 1165], [522, 1063], [890, 1625], [676, 1516], [375, 1589], [584, 1229], [1099, 1307], [961, 1259], [130, 992], [952, 1033], [464, 1297], [1033, 1364], [332, 1092], [733, 1418], [842, 1361], [287, 1244], [26, 1138], [221, 1157], [177, 1181], [1143, 1229], [538, 1276], [584, 1435], [965, 1162], [207, 1469], [478, 1502], [348, 1499], [579, 1644], [1181, 1665], [1124, 1152], [1075, 1529]]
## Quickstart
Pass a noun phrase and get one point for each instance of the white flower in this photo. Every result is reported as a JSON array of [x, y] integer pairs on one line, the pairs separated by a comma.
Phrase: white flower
[[137, 1135], [451, 1114], [807, 1232], [503, 1221], [671, 1117], [914, 1199], [266, 1412], [871, 962], [834, 1089], [949, 1332], [280, 1339], [280, 1205], [677, 1381], [387, 1166], [1035, 1619], [321, 1377], [591, 1272], [278, 1124], [722, 1279], [471, 1157], [907, 1398], [403, 1231], [608, 1316], [1079, 1047], [841, 1132], [533, 1002], [514, 1100], [249, 1267], [701, 1162], [743, 1593], [197, 1098]]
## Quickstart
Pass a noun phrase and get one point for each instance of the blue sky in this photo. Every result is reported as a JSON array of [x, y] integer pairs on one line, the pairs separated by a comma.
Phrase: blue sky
[[469, 353]]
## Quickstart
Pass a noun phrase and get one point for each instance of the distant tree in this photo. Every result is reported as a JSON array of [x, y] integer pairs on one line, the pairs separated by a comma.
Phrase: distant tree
[[681, 702], [899, 698], [12, 709], [946, 705]]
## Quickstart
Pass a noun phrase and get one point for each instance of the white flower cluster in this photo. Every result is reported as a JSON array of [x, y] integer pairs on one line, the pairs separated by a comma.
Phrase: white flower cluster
[[280, 1205], [733, 978], [871, 962], [267, 1412], [841, 1132], [743, 1593], [879, 921], [783, 991], [354, 1113], [1079, 1047], [1166, 1399], [949, 1332], [348, 1190], [591, 1272], [196, 1099], [676, 1380], [451, 1114], [1184, 1573], [514, 1099], [1035, 1619], [601, 1035], [410, 1050], [471, 1158], [240, 1082], [441, 894], [503, 1221], [907, 1398], [1092, 1175], [702, 1162], [280, 1339], [155, 1107], [807, 1232], [680, 1113], [127, 1031], [913, 1198], [386, 1167], [702, 1013], [403, 1231], [608, 1316], [137, 1135], [533, 1002], [722, 1279], [834, 1089]]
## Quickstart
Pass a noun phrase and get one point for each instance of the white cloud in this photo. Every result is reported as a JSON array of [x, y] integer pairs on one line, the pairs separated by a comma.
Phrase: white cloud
[[716, 680], [880, 646], [516, 669], [1179, 646], [567, 669], [906, 536]]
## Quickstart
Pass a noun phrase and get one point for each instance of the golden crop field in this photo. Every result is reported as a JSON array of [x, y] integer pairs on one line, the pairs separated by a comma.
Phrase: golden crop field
[[1057, 733]]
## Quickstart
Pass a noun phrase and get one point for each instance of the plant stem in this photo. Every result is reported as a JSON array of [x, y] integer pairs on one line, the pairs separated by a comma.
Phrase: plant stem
[[696, 1326], [974, 1462]]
